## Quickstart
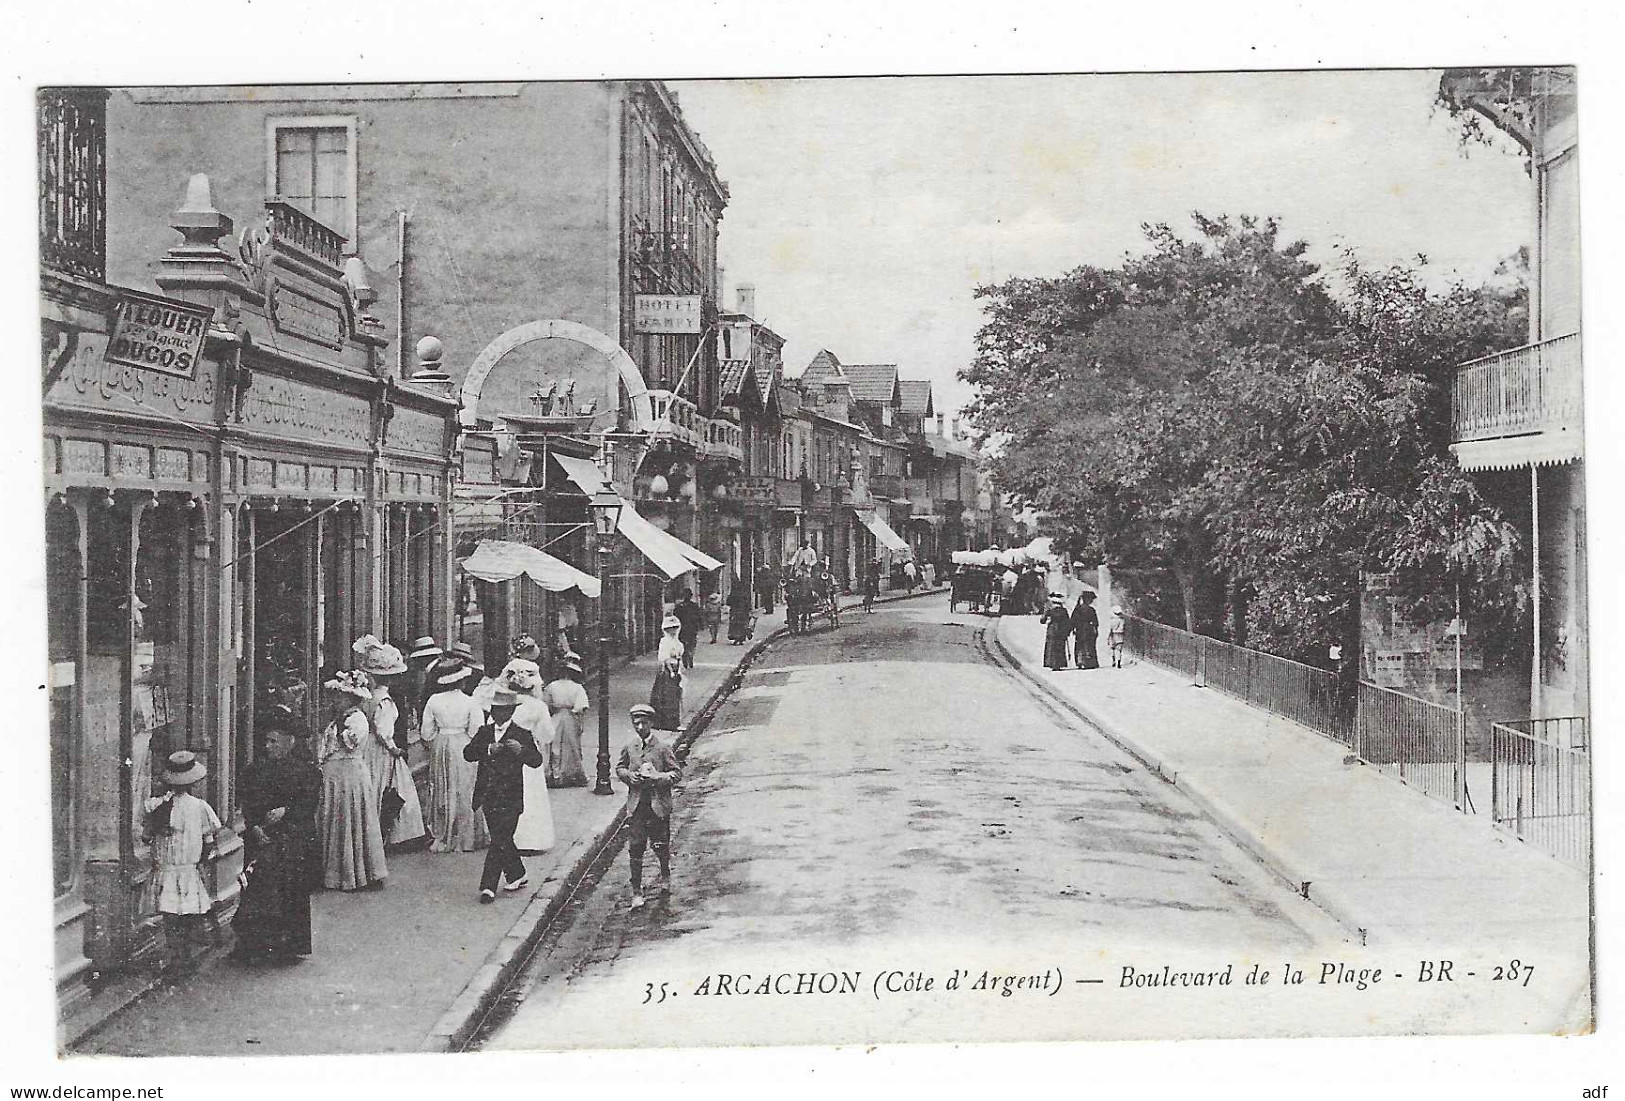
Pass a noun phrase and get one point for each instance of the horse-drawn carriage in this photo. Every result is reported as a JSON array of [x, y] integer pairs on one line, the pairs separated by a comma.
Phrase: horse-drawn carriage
[[805, 598], [976, 587]]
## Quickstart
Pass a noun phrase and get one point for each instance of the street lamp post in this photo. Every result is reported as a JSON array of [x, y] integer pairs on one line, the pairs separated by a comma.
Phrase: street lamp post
[[606, 516]]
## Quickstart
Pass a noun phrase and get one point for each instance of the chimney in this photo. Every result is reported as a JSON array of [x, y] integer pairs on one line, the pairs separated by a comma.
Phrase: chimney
[[745, 297], [940, 419], [954, 427]]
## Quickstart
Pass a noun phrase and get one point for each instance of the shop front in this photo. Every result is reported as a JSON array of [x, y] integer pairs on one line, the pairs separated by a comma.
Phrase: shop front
[[218, 530]]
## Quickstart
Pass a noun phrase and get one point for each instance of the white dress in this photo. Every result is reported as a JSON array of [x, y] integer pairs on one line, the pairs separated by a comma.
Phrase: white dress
[[409, 822], [177, 886], [535, 832], [450, 720]]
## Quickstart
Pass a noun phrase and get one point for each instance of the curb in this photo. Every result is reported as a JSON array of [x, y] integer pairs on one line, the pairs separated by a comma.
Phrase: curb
[[459, 1023], [1227, 823]]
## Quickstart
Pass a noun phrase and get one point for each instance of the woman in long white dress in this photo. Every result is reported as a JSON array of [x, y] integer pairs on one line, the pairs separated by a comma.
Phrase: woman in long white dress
[[523, 677], [351, 845], [450, 719], [386, 762], [566, 702]]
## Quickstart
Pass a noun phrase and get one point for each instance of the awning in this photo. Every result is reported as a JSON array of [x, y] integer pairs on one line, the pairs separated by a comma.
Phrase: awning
[[583, 472], [1512, 452], [499, 560], [671, 555], [883, 532]]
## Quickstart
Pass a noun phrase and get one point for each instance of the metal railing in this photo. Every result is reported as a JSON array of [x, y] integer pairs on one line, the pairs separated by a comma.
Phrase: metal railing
[[1525, 390], [1542, 788], [1306, 695], [675, 416], [72, 135], [1421, 744]]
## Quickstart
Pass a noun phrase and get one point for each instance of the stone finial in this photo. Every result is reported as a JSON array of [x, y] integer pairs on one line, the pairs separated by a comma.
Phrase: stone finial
[[429, 368], [197, 220]]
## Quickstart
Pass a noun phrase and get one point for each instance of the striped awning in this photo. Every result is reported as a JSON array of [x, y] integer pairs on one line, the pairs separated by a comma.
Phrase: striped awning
[[1512, 452]]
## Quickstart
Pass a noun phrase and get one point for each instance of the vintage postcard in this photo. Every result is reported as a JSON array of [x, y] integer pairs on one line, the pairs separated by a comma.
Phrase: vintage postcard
[[544, 565]]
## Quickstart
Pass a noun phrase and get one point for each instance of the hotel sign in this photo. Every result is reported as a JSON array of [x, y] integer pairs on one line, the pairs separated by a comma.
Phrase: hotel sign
[[157, 334], [666, 313]]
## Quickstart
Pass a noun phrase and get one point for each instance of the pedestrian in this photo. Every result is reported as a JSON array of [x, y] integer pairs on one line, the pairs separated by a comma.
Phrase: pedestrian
[[281, 862], [534, 832], [871, 585], [183, 828], [806, 558], [666, 695], [688, 617], [503, 750], [422, 656], [451, 718], [767, 586], [349, 838], [1115, 629], [910, 572], [929, 574], [1058, 626], [1086, 631], [713, 613], [739, 613], [648, 768], [384, 752], [567, 702]]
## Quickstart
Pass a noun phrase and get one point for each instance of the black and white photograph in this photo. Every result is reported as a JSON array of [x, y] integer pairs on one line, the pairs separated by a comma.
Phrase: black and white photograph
[[539, 564]]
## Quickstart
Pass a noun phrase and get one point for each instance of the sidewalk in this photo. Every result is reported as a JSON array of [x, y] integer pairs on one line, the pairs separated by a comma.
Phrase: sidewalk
[[1391, 864], [413, 966]]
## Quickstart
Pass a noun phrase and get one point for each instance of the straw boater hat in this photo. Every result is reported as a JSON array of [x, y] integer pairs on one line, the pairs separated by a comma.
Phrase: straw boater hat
[[352, 682], [573, 661], [453, 674], [1058, 597], [504, 697], [378, 658], [461, 650], [425, 647], [640, 709], [184, 768], [670, 623]]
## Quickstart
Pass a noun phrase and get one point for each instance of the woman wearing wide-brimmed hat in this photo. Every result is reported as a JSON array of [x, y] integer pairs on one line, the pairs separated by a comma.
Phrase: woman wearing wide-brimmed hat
[[450, 719], [348, 837], [182, 827], [666, 695], [523, 677], [1057, 629], [566, 701], [383, 752]]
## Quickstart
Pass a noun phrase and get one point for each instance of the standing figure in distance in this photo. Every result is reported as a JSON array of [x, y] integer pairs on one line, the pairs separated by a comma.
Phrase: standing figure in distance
[[1086, 631], [688, 618], [1057, 628], [666, 695]]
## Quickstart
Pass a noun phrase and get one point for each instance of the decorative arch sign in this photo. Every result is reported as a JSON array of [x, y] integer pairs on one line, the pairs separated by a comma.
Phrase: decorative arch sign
[[615, 357]]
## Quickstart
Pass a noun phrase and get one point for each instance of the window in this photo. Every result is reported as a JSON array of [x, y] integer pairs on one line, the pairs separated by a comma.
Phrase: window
[[312, 164]]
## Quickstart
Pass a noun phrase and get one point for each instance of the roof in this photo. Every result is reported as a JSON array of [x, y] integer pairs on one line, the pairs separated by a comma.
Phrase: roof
[[823, 366], [733, 376], [876, 382], [916, 395]]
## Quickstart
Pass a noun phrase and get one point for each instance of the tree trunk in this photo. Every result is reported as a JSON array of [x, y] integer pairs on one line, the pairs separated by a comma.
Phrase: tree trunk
[[1238, 612], [1186, 573]]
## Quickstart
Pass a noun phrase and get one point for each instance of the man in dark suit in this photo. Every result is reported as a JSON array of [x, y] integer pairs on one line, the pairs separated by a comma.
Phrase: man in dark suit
[[648, 768], [503, 750], [689, 615]]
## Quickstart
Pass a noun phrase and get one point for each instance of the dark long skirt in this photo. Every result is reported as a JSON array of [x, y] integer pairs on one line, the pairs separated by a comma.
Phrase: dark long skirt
[[1084, 648], [666, 697], [1055, 636], [273, 916], [738, 622]]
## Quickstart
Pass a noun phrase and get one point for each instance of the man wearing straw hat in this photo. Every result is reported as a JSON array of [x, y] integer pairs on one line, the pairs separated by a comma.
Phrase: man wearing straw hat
[[503, 750], [648, 768]]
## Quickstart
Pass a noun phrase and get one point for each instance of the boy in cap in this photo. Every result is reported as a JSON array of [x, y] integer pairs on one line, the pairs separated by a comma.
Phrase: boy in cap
[[648, 768]]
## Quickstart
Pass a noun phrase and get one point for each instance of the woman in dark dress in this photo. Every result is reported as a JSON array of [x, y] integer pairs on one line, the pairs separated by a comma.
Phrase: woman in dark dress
[[1057, 628], [739, 610], [279, 796], [1086, 632]]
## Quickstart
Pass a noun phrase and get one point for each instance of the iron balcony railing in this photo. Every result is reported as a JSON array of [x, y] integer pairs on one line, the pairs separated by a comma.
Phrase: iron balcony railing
[[73, 181], [675, 417], [1519, 392], [1542, 785], [669, 256], [723, 439]]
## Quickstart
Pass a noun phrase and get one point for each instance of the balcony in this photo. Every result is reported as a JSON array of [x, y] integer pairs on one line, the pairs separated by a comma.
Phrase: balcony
[[723, 439], [675, 418], [72, 138], [1527, 400], [667, 260]]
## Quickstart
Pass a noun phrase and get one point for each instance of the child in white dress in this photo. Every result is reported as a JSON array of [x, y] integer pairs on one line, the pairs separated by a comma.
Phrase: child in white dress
[[182, 828]]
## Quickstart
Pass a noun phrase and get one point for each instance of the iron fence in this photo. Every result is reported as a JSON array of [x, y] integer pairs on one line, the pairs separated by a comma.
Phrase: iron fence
[[1311, 697], [1165, 645], [1542, 785], [1421, 744]]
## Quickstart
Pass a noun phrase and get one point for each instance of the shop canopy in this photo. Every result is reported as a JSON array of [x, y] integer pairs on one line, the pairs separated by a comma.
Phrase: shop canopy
[[499, 560], [670, 555], [883, 532]]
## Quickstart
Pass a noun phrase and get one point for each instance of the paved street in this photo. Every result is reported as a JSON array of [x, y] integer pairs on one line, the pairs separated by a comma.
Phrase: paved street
[[886, 796]]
